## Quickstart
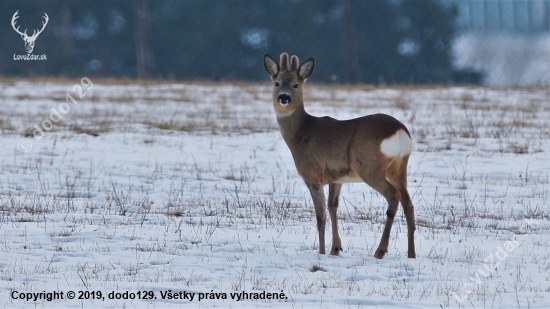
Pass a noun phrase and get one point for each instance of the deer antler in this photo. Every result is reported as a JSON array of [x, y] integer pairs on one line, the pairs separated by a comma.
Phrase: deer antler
[[13, 24], [43, 26]]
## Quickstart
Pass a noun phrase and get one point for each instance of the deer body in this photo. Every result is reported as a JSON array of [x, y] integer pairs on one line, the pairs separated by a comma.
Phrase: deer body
[[372, 149]]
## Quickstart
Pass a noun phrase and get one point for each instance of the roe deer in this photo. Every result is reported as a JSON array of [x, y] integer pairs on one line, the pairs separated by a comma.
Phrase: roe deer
[[374, 149]]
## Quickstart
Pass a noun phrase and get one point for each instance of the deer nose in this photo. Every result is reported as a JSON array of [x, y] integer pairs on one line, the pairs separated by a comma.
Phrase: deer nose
[[284, 99]]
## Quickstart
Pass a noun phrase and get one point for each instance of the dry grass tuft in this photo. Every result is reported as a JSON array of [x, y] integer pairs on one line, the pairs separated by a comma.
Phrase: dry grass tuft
[[316, 268]]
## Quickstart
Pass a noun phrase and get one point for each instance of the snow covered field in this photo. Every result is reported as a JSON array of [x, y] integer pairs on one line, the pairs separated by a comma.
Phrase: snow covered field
[[141, 190]]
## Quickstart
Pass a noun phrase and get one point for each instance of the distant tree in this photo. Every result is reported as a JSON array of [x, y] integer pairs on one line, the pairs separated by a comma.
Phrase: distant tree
[[376, 29], [367, 41], [426, 30], [144, 54]]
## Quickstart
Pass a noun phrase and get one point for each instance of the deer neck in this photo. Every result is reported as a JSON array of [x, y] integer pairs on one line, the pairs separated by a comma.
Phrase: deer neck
[[291, 122]]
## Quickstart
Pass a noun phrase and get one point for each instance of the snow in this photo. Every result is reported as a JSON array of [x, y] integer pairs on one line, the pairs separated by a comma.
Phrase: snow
[[190, 188]]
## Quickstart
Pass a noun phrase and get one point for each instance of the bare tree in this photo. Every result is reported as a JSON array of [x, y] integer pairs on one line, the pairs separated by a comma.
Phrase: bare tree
[[144, 54], [350, 54], [66, 30]]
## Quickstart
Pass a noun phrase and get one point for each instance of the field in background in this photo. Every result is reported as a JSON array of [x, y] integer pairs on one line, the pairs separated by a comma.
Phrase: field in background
[[190, 187]]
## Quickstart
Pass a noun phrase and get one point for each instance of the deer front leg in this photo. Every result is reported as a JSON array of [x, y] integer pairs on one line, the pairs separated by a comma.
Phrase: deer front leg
[[333, 196], [318, 196]]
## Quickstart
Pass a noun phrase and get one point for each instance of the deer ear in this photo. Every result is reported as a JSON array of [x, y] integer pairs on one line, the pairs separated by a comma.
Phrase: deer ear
[[270, 65], [305, 70]]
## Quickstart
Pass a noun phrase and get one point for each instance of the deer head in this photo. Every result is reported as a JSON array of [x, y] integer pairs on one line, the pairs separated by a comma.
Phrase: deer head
[[288, 79], [29, 40]]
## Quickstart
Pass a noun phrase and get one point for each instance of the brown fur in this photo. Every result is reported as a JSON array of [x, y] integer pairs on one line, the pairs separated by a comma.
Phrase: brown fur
[[329, 151]]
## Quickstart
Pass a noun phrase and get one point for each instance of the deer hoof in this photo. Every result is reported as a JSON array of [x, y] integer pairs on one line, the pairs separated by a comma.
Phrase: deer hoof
[[379, 254]]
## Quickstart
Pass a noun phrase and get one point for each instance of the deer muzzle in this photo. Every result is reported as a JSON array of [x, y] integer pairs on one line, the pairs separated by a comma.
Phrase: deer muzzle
[[284, 99]]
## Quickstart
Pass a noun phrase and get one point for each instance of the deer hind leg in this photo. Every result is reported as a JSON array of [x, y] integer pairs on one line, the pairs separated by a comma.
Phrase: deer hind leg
[[392, 197], [397, 175], [318, 196], [408, 209], [333, 196], [374, 175]]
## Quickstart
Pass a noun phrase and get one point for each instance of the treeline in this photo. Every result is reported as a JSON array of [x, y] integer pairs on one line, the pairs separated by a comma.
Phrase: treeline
[[369, 41]]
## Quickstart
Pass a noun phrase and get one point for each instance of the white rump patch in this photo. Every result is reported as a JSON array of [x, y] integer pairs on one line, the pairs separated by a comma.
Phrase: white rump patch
[[397, 145]]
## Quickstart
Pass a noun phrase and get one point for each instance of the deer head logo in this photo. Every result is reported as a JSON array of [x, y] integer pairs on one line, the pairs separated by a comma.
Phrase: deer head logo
[[29, 40]]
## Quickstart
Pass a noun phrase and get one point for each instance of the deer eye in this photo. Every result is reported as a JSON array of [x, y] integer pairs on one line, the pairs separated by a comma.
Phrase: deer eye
[[277, 84], [295, 86]]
